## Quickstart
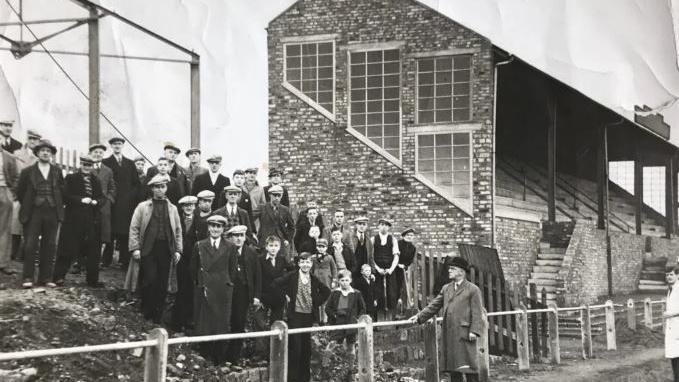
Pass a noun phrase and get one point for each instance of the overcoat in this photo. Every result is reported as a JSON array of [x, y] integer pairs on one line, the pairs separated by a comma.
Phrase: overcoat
[[27, 189], [212, 271], [79, 218], [127, 187], [288, 283], [672, 324], [461, 315], [204, 182], [140, 221], [108, 187], [24, 158], [279, 224], [353, 243], [270, 296]]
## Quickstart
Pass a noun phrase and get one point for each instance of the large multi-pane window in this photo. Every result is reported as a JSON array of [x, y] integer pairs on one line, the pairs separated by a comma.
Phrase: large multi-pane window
[[309, 69], [444, 89], [375, 98], [445, 161]]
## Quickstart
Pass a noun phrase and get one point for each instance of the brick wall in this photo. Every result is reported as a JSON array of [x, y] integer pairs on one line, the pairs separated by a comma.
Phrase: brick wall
[[517, 243], [584, 267], [627, 253], [325, 163], [665, 248]]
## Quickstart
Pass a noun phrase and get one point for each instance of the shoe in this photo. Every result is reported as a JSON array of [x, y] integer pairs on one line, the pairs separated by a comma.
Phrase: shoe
[[27, 285], [50, 285]]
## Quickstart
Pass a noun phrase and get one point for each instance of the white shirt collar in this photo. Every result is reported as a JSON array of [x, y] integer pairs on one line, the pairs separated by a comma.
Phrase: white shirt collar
[[213, 177], [215, 242]]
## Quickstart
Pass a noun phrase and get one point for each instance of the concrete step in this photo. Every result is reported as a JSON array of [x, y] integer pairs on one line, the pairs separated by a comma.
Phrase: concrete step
[[542, 275], [546, 269], [545, 245], [654, 269], [550, 289], [652, 288], [652, 275], [555, 263], [652, 282], [543, 282], [552, 251], [549, 256]]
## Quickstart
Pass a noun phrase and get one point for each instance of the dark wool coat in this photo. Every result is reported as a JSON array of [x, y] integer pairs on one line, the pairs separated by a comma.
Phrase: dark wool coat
[[279, 224], [273, 297], [461, 315], [367, 290], [288, 283], [244, 219], [177, 173], [13, 146], [79, 219], [203, 182], [355, 309], [127, 187], [213, 271], [253, 271], [302, 229], [108, 187], [26, 190]]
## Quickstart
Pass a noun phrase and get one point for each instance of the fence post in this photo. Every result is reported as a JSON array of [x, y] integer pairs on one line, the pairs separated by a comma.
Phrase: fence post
[[431, 351], [156, 357], [553, 323], [482, 348], [522, 338], [610, 326], [648, 313], [631, 315], [366, 361], [278, 355], [586, 331]]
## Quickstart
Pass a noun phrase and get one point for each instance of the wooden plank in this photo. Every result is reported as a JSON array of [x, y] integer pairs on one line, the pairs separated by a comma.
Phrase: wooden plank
[[482, 349], [490, 305], [534, 339], [631, 315], [544, 335], [648, 313], [522, 339], [501, 320], [511, 320], [586, 332], [551, 158], [425, 283], [431, 371], [366, 361], [414, 279], [610, 326], [432, 275], [638, 188], [155, 364], [554, 346], [278, 354]]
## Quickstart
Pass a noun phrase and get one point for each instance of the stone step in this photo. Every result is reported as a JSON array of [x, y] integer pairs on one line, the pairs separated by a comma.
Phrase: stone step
[[656, 276], [654, 269], [652, 282], [550, 256], [653, 288], [541, 275], [544, 245], [546, 269], [552, 251], [550, 289], [555, 263], [543, 282]]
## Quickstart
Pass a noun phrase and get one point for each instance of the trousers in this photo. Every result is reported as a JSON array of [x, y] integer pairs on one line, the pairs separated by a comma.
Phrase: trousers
[[153, 277], [42, 228], [6, 208], [239, 313], [299, 353]]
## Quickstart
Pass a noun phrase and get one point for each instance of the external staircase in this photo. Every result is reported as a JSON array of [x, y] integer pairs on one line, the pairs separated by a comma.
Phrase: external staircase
[[652, 277]]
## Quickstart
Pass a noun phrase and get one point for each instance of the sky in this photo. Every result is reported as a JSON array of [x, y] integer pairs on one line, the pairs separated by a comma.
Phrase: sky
[[620, 53]]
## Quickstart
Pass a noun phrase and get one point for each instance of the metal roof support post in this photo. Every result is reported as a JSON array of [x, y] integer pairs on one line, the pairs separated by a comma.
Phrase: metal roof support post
[[195, 102], [94, 76]]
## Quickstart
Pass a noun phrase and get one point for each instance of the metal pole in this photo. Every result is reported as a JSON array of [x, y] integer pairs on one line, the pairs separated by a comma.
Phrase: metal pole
[[94, 106], [195, 103]]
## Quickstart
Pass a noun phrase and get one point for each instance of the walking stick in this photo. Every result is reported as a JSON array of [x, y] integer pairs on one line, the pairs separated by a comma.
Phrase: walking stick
[[384, 287]]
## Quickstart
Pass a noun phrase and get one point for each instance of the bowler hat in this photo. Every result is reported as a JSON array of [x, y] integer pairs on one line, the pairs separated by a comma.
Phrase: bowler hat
[[42, 144], [458, 262]]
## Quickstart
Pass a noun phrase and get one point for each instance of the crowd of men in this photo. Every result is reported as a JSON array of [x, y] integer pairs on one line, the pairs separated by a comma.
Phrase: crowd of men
[[222, 247]]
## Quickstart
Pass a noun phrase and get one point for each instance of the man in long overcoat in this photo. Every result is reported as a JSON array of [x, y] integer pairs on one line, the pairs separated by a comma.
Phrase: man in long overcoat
[[127, 186], [108, 187], [24, 158], [9, 175], [462, 322], [213, 267], [360, 245], [276, 220]]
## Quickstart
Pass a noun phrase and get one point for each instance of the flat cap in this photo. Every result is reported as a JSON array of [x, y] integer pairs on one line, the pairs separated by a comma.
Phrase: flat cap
[[188, 199], [238, 172], [33, 134], [6, 122], [385, 221], [251, 170], [275, 172], [321, 241], [116, 139], [159, 179], [232, 188], [311, 204], [408, 230], [97, 146], [304, 255], [276, 189], [171, 146], [214, 158], [206, 194], [192, 150], [237, 230], [361, 219], [139, 158], [85, 159], [216, 219]]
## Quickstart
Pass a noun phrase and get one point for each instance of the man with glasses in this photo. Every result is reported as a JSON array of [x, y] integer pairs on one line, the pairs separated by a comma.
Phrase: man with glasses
[[361, 245], [276, 220], [156, 242], [24, 158], [234, 214]]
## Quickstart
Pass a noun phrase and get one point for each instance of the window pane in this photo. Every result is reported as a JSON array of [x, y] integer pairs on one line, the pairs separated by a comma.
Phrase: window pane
[[443, 90], [425, 78], [424, 153], [445, 152], [391, 117], [428, 175], [461, 88], [444, 164], [391, 80], [390, 93], [460, 138], [391, 106], [461, 164], [391, 131], [358, 107], [374, 131], [425, 140], [309, 62], [374, 106], [374, 81], [461, 152], [461, 101], [425, 116], [462, 114], [375, 56], [391, 55], [443, 64], [375, 119], [325, 60], [308, 85], [309, 49], [360, 129], [293, 62], [394, 152], [357, 70], [357, 57], [425, 65], [443, 103], [426, 91], [377, 141], [357, 95], [444, 179], [391, 143], [461, 177], [461, 191], [443, 77], [391, 67], [296, 84], [425, 165], [426, 104], [375, 93], [461, 76], [357, 119], [325, 73], [308, 74], [374, 69], [325, 85], [292, 75], [325, 97], [358, 83], [325, 48], [443, 139], [463, 61], [443, 116], [292, 50]]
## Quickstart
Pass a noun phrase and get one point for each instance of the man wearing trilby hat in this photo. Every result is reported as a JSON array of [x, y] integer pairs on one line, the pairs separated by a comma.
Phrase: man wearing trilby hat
[[462, 323], [42, 209]]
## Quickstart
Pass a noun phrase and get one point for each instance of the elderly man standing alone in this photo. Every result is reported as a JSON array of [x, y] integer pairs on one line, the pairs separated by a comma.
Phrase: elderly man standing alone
[[9, 176]]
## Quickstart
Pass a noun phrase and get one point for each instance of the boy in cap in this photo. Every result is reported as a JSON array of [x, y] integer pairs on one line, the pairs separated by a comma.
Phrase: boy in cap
[[156, 242], [199, 229], [247, 287], [305, 294], [108, 187], [407, 253], [127, 186], [213, 266], [276, 179], [40, 191], [462, 303], [276, 220], [183, 308], [234, 214], [256, 193], [174, 192], [325, 269], [385, 261], [341, 252], [170, 153], [194, 169], [80, 237], [211, 180]]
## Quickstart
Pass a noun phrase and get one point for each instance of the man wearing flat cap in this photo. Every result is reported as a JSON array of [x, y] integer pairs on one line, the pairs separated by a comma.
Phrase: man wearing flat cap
[[127, 189], [244, 200], [183, 308], [360, 245], [156, 242], [80, 235], [194, 169], [461, 302], [247, 289], [385, 261], [407, 253], [234, 214], [256, 193], [276, 179], [40, 192], [204, 210], [108, 187], [170, 152], [8, 143], [9, 175], [276, 220], [24, 158], [211, 180]]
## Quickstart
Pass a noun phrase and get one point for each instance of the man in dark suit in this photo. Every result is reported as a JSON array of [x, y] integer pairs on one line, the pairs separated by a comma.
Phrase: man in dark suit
[[173, 193], [360, 244], [244, 200], [127, 185], [247, 288], [365, 284], [9, 175], [306, 219], [276, 179], [40, 191], [274, 265], [194, 169], [211, 180], [80, 235], [108, 187], [234, 214], [8, 143], [276, 221], [170, 152]]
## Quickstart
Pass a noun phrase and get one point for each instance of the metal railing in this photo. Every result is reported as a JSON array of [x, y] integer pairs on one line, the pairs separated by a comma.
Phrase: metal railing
[[157, 341]]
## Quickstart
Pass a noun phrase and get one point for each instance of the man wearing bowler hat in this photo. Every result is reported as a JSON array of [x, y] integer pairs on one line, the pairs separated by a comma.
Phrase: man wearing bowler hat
[[127, 187], [170, 152], [40, 191], [276, 179], [461, 302], [211, 180], [194, 169]]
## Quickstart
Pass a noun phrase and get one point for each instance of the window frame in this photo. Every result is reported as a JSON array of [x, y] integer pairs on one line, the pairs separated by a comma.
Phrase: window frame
[[319, 39], [465, 204], [435, 56], [371, 47]]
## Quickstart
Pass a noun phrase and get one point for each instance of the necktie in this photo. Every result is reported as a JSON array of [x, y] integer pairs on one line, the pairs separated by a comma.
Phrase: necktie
[[214, 244], [272, 260], [120, 160]]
